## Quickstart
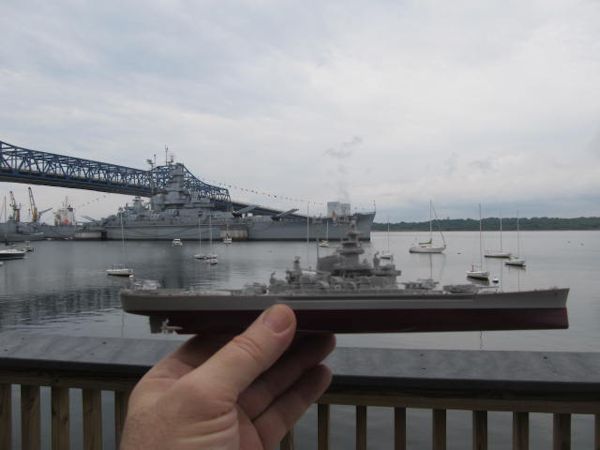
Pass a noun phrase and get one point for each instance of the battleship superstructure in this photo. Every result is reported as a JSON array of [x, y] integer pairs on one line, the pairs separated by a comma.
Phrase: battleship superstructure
[[179, 213]]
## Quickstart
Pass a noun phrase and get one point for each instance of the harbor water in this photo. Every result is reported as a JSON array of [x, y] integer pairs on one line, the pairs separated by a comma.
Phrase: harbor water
[[62, 288]]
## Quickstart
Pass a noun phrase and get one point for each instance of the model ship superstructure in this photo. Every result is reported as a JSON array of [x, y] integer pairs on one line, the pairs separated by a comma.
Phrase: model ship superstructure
[[339, 272]]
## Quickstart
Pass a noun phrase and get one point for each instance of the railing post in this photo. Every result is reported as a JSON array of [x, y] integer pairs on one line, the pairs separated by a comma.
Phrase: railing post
[[361, 427], [287, 443], [323, 412], [439, 429], [597, 432], [480, 432], [121, 401], [520, 431], [30, 418], [399, 428], [562, 432], [60, 418], [92, 419], [5, 417]]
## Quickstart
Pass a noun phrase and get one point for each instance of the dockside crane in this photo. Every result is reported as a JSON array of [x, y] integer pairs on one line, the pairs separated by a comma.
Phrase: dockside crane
[[32, 208], [35, 214], [16, 209]]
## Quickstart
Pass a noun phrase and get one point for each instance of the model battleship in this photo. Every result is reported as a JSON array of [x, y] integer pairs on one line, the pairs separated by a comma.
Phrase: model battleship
[[347, 295]]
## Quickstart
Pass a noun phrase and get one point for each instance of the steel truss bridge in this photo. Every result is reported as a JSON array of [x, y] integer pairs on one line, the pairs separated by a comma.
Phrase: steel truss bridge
[[22, 165]]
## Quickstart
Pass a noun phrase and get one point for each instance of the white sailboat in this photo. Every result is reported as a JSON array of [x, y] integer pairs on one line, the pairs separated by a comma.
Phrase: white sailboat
[[498, 253], [427, 246], [325, 242], [209, 257], [516, 260], [477, 272], [119, 270], [227, 239], [387, 254]]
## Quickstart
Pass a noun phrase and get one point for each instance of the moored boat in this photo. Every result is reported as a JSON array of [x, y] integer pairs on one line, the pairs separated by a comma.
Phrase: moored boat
[[428, 246], [119, 271], [12, 253]]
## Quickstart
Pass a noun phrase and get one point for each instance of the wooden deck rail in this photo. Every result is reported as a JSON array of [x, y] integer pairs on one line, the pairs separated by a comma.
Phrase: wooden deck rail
[[559, 384]]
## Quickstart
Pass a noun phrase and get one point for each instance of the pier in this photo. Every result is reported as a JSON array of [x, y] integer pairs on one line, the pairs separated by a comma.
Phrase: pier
[[558, 384]]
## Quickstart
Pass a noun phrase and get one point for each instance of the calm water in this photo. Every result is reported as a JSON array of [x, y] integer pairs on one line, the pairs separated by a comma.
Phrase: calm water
[[62, 288]]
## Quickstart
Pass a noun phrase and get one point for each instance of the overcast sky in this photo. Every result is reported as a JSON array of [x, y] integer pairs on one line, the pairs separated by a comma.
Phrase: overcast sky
[[393, 102]]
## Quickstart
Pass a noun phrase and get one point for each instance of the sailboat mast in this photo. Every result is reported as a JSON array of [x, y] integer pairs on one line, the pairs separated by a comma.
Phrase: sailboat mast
[[500, 231], [480, 240], [307, 232], [199, 233], [210, 233], [518, 237], [430, 224], [122, 232], [388, 234]]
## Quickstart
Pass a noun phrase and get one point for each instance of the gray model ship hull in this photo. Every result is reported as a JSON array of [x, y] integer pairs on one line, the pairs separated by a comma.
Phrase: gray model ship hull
[[259, 228], [355, 312]]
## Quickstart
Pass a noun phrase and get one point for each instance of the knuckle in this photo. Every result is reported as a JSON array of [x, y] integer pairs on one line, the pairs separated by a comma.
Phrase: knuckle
[[250, 348]]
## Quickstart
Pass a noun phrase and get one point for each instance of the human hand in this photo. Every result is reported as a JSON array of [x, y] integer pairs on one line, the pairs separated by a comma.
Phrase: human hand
[[244, 395]]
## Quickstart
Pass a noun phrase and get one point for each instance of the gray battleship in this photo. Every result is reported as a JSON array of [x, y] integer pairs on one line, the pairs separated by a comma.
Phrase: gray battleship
[[178, 213]]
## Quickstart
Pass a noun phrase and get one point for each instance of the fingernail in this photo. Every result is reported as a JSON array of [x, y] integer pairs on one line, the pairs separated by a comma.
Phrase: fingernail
[[278, 318]]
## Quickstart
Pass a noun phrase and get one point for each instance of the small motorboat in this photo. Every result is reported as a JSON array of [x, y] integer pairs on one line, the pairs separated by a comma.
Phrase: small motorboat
[[515, 261], [478, 274], [27, 246], [210, 258], [385, 254], [119, 271], [12, 253]]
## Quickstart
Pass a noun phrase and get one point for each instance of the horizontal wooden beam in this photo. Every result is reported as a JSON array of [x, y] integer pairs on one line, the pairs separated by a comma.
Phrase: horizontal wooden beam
[[448, 401]]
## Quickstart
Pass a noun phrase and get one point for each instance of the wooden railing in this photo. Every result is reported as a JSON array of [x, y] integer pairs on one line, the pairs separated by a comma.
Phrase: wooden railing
[[35, 370]]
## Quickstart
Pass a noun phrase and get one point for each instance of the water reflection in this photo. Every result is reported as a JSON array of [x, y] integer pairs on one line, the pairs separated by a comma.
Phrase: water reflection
[[62, 286]]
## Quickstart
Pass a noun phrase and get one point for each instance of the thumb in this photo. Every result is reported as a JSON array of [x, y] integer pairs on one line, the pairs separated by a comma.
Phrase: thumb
[[249, 354]]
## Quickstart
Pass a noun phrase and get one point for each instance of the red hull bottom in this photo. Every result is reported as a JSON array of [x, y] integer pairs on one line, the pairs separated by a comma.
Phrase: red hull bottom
[[369, 321]]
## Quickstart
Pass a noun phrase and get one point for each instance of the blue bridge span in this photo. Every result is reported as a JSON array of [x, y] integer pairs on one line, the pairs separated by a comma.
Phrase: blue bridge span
[[22, 165]]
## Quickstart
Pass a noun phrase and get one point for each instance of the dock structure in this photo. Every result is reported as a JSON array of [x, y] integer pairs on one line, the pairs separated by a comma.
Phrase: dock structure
[[558, 384]]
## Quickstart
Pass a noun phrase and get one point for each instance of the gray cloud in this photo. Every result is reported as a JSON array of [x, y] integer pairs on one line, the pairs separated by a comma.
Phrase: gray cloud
[[431, 86], [484, 165], [345, 149]]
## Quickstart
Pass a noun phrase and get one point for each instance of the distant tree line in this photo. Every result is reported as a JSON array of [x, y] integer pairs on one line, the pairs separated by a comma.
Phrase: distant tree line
[[493, 224]]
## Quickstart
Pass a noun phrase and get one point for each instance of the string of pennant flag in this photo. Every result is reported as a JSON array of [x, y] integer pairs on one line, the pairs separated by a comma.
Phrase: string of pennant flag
[[272, 195], [266, 194]]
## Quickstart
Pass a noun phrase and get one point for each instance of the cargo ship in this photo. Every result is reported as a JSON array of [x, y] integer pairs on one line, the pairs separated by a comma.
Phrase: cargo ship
[[178, 213]]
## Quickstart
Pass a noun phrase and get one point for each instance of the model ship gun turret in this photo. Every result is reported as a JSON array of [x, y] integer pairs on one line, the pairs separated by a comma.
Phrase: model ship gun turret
[[341, 271]]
